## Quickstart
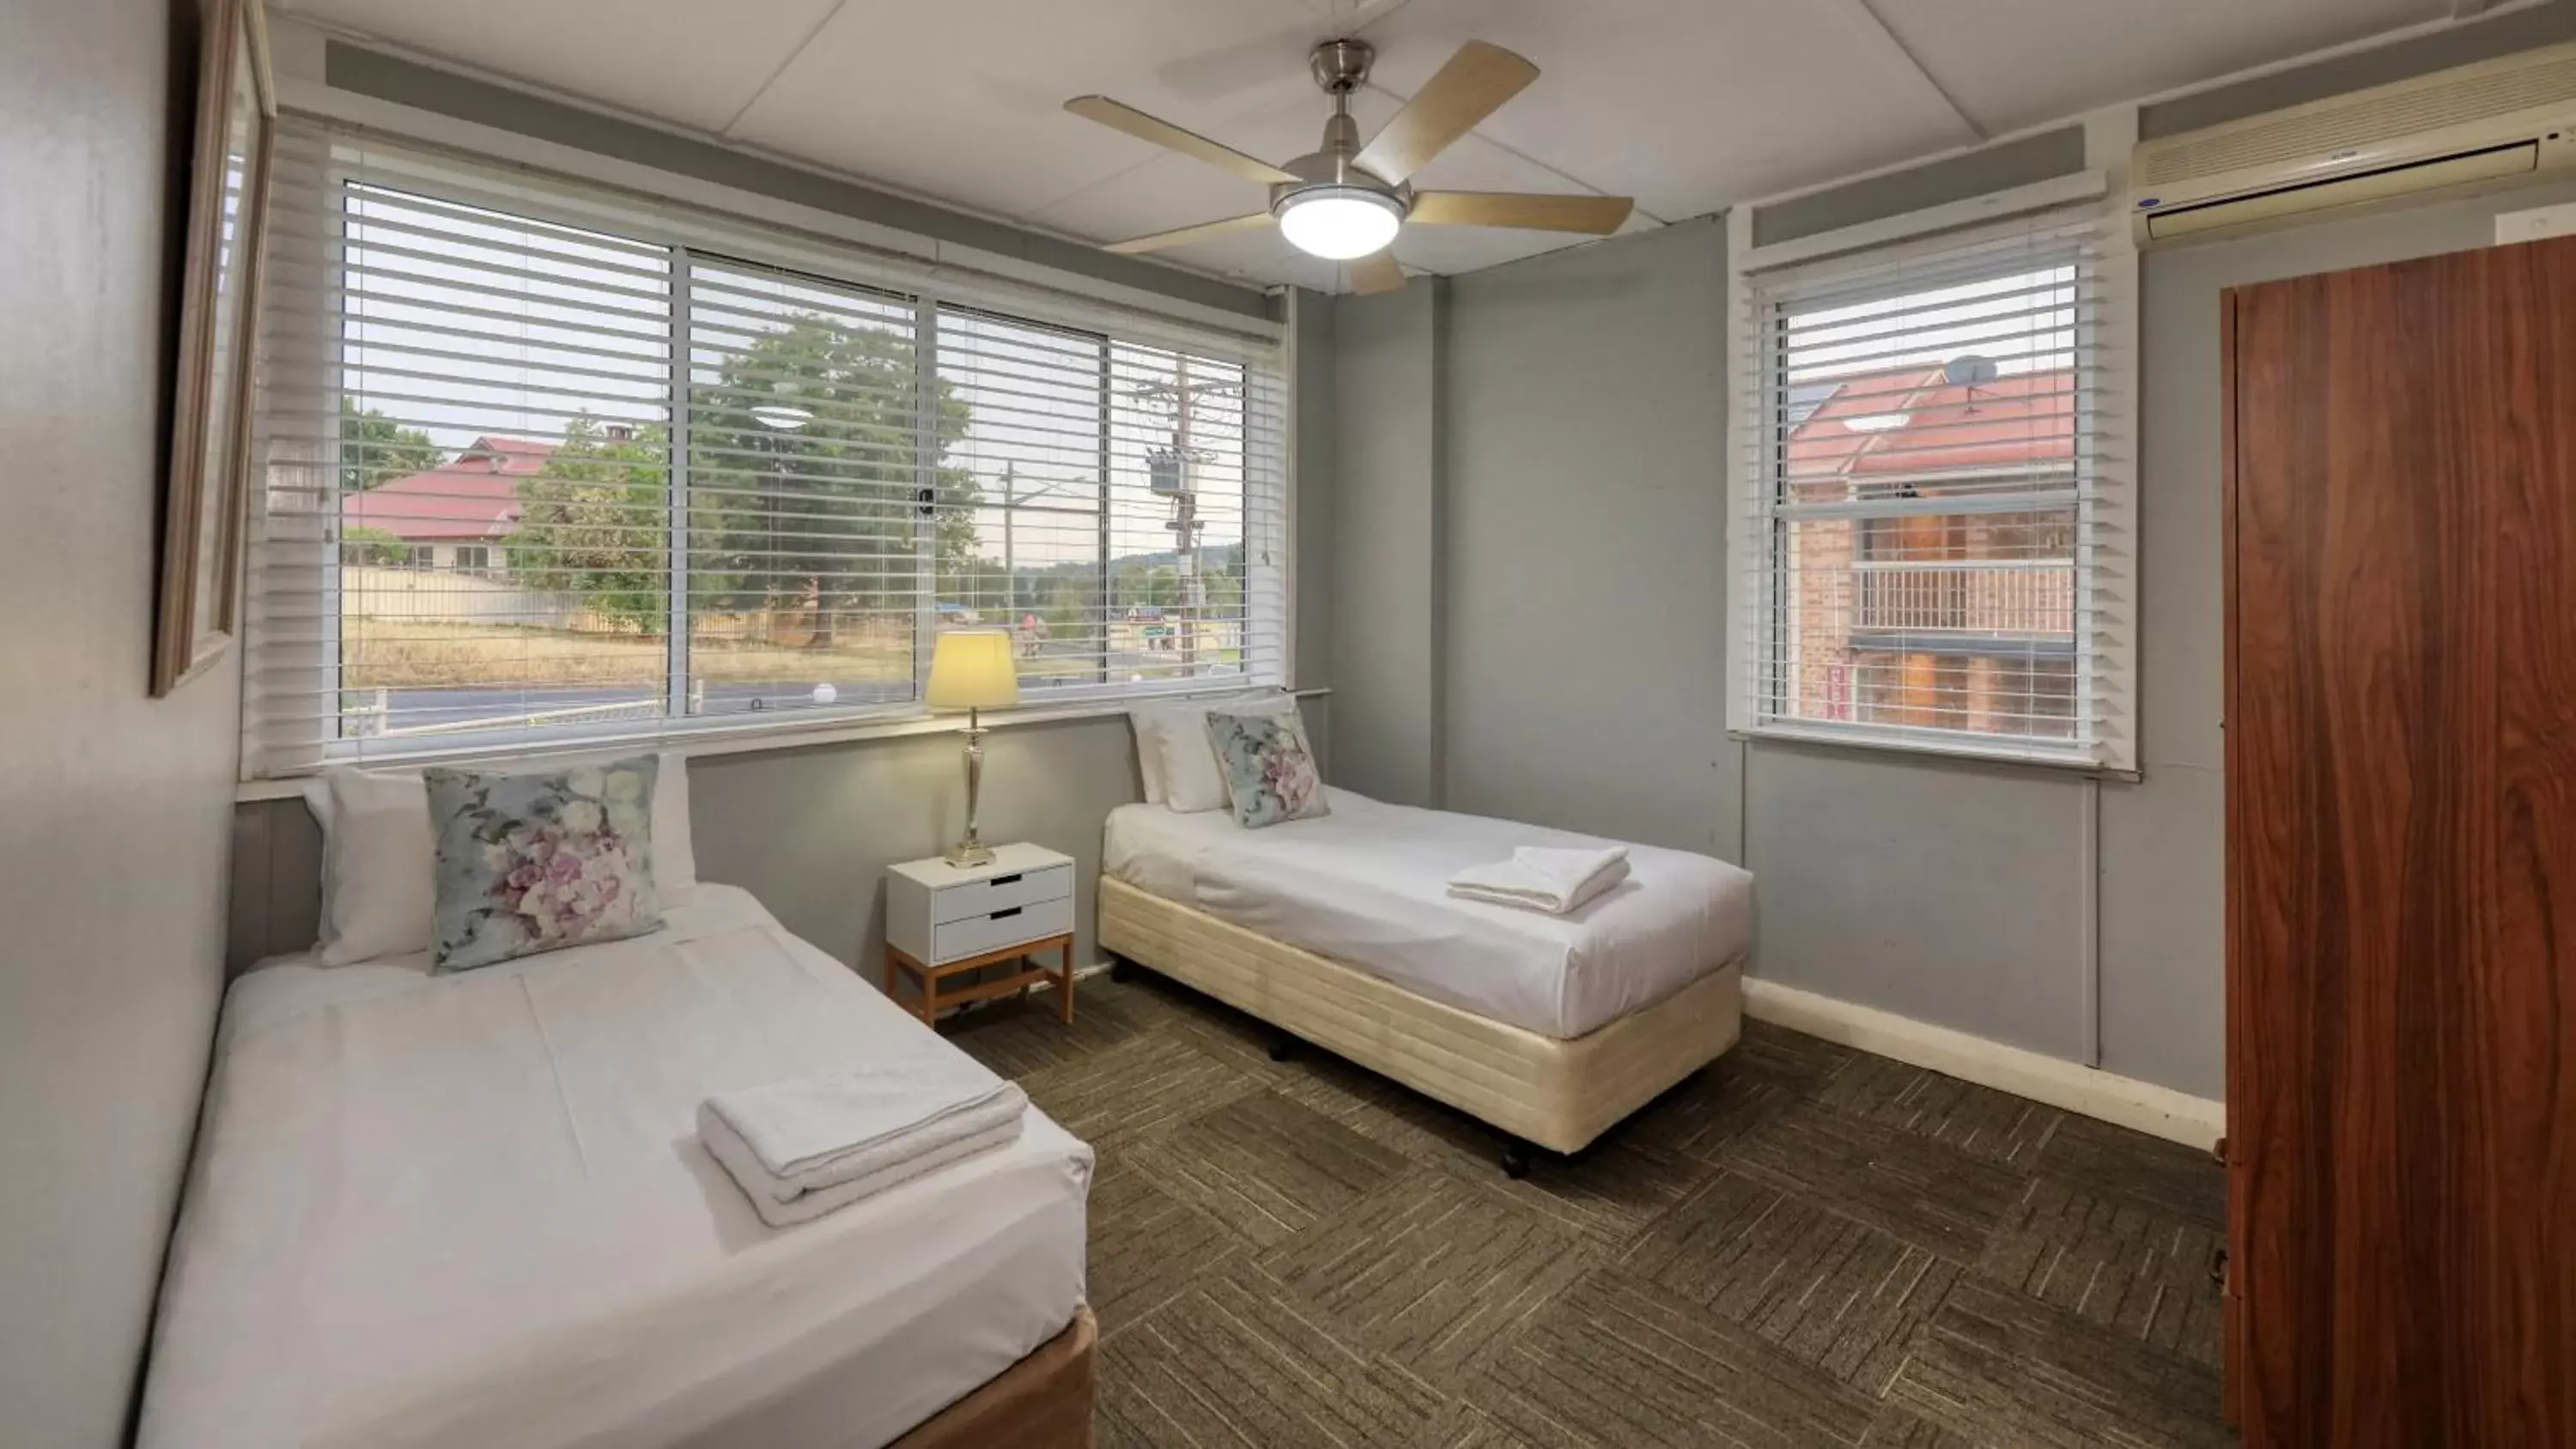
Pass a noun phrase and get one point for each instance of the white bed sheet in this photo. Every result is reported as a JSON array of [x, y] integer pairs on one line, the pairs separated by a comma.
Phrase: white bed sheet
[[1367, 885], [473, 1210]]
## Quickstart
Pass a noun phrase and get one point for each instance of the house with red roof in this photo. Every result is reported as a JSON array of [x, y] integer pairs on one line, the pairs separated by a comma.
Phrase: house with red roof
[[457, 515], [1902, 612]]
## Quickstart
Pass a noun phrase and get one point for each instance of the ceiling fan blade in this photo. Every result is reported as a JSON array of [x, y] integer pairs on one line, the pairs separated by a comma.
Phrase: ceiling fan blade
[[1598, 215], [1473, 85], [1188, 234], [1375, 273], [1143, 127]]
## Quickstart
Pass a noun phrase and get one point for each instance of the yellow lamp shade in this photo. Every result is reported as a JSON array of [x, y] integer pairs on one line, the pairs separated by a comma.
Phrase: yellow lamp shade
[[973, 669]]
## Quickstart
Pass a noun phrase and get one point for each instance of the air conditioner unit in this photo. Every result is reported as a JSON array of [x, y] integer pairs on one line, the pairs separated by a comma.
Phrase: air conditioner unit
[[2479, 123]]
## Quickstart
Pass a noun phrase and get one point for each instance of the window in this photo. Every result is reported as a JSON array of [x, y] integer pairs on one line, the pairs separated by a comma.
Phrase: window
[[1933, 493], [580, 473]]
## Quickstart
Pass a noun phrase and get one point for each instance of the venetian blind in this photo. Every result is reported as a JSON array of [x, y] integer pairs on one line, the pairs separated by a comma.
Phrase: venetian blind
[[540, 464], [1936, 495]]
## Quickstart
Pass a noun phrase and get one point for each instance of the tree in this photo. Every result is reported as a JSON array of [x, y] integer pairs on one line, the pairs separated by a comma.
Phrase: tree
[[374, 448], [381, 547], [594, 522], [826, 513]]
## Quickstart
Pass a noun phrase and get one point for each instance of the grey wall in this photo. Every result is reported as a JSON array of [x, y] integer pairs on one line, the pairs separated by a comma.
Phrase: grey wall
[[1572, 547], [809, 830], [1585, 530], [1311, 341], [1385, 565], [113, 807]]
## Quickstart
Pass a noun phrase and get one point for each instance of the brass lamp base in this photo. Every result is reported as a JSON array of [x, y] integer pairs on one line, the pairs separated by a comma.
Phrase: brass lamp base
[[971, 849]]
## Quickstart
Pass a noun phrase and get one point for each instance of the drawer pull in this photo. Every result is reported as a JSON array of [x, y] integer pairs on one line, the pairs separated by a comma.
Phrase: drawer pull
[[1012, 879], [1005, 915]]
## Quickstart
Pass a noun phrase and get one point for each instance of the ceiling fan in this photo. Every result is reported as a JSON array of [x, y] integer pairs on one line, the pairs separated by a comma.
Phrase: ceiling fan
[[1345, 202]]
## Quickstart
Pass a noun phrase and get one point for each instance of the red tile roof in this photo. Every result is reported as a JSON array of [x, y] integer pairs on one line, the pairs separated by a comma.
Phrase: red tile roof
[[2007, 422], [472, 497]]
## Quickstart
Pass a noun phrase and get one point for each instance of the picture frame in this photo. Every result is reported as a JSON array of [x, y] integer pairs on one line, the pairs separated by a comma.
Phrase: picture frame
[[227, 225]]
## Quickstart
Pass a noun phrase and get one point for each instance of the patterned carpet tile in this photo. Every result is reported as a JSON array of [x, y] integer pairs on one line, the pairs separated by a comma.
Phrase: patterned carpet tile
[[1997, 1367], [1804, 1246], [2147, 1172], [1432, 1271], [1830, 1292], [1147, 1247], [1979, 1121], [1897, 1428], [1800, 1064], [1265, 1166], [1620, 1363], [2114, 1264], [1701, 1116], [1150, 1081], [1224, 1365], [1020, 1038], [1923, 1192]]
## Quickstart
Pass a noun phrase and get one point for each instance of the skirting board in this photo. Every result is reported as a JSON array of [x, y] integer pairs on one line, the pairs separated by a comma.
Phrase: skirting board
[[2122, 1101]]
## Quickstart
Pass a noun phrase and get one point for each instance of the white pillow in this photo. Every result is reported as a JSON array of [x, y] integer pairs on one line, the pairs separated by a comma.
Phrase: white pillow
[[376, 879], [1149, 749], [675, 855], [378, 858], [1193, 777]]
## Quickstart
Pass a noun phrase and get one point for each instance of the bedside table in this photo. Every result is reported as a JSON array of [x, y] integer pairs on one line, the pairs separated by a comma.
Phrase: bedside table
[[944, 920]]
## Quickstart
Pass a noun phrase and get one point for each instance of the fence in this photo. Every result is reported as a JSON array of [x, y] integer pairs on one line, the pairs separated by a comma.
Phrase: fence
[[456, 598]]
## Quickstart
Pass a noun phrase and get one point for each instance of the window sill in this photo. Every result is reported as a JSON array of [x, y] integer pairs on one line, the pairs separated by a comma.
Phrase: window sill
[[749, 740], [1934, 749]]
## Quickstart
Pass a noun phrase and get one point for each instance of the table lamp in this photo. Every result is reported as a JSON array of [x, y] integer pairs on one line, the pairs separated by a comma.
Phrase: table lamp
[[972, 670]]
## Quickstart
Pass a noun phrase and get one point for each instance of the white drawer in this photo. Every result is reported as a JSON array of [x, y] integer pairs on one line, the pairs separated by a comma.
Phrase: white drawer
[[984, 897], [957, 940]]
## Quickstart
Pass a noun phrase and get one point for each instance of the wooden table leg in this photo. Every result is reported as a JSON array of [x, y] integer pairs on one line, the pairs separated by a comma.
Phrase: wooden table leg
[[1064, 983]]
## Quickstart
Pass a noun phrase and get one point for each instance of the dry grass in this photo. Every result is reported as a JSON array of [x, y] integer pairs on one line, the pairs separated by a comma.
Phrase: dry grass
[[398, 653]]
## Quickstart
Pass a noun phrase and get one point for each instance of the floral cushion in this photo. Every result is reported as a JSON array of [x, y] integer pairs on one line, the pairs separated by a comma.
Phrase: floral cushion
[[529, 863], [1269, 770]]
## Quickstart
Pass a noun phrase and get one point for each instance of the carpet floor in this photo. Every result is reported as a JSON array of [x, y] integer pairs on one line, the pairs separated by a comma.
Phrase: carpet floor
[[1803, 1246]]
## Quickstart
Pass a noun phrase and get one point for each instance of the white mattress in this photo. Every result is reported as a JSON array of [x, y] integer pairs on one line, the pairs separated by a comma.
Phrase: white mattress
[[473, 1210], [1367, 885]]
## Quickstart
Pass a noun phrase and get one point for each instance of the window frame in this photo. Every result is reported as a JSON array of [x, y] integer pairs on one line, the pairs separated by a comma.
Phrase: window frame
[[685, 235], [2100, 497]]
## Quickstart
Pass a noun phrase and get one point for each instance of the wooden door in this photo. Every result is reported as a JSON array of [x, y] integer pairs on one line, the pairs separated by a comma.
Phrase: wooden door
[[2401, 852]]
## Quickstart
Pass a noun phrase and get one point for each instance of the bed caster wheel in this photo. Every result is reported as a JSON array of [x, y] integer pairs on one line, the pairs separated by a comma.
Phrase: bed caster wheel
[[1516, 1160], [1122, 971], [1282, 1047]]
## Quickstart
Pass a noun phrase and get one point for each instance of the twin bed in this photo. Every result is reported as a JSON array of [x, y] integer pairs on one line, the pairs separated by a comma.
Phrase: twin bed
[[471, 1209], [1340, 930]]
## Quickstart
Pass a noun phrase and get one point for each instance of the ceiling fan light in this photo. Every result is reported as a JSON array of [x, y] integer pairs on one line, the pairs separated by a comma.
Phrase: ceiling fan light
[[1340, 223]]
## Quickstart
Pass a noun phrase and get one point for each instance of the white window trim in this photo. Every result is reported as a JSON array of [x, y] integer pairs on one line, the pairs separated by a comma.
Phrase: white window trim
[[691, 225], [2106, 599]]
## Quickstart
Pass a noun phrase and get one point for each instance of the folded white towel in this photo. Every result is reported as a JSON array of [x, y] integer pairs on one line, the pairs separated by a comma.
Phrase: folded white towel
[[1546, 878], [782, 1204], [804, 1147]]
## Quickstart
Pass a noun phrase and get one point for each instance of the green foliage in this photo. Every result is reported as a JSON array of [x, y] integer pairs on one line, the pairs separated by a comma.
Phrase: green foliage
[[594, 521], [381, 547], [374, 448], [825, 514], [821, 516]]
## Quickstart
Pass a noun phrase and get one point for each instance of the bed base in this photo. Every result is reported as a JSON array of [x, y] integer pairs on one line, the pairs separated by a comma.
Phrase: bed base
[[1538, 1090], [1041, 1402]]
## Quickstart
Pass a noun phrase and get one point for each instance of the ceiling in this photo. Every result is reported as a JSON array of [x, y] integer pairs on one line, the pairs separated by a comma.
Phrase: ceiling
[[1688, 105]]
